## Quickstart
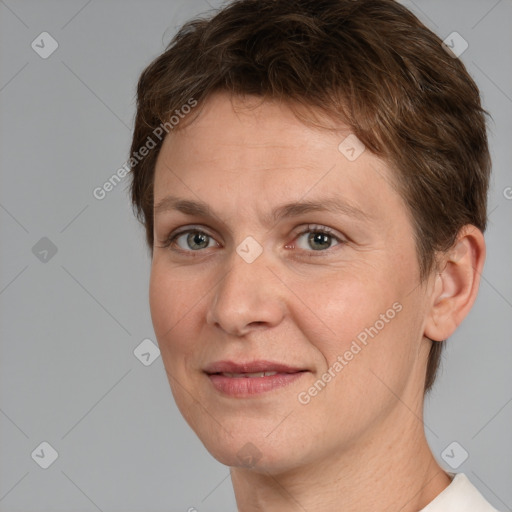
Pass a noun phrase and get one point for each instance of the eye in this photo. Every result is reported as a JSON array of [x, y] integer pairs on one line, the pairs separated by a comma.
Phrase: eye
[[320, 238], [192, 240]]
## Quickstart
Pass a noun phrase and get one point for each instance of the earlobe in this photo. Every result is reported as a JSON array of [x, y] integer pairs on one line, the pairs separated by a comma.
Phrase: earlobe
[[456, 285]]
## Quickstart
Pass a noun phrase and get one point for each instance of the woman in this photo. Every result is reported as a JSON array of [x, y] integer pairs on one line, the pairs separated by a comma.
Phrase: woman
[[312, 177]]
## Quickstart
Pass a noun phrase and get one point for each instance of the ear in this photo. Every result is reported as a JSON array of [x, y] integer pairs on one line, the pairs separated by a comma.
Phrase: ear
[[456, 284]]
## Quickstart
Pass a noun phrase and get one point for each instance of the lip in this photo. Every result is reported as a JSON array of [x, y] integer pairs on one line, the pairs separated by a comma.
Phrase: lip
[[249, 386], [250, 367]]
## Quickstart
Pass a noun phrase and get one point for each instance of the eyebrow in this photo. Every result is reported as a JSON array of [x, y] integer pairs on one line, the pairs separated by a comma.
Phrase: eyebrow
[[292, 209]]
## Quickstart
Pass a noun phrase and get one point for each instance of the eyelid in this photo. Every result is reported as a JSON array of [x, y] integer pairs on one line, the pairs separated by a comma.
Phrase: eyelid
[[320, 228]]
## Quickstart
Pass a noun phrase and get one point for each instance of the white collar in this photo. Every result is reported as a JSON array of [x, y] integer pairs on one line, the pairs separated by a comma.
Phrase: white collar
[[460, 496]]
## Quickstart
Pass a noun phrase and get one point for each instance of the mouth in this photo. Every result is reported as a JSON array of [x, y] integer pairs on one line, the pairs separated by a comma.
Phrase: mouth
[[246, 375], [251, 378]]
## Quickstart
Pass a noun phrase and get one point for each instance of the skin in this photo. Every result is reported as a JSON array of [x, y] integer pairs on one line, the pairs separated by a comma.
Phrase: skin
[[304, 307]]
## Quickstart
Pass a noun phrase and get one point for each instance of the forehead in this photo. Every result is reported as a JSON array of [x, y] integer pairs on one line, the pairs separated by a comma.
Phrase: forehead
[[248, 146], [225, 120]]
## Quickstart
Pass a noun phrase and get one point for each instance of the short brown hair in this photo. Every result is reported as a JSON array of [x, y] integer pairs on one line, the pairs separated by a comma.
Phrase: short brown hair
[[370, 64]]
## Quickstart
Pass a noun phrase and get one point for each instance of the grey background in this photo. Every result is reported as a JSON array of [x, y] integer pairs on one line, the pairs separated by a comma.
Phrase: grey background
[[69, 326]]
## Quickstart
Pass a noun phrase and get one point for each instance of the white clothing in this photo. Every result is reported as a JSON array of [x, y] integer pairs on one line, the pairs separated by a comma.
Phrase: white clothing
[[460, 496]]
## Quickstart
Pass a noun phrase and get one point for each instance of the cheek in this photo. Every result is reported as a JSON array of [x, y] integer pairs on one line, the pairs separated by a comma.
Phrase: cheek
[[373, 325], [161, 302], [172, 303], [350, 305]]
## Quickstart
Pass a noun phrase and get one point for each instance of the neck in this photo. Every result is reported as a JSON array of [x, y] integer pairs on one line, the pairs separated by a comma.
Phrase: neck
[[389, 470]]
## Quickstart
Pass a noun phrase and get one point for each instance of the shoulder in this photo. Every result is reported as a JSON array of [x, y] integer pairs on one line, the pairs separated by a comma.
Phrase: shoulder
[[460, 496]]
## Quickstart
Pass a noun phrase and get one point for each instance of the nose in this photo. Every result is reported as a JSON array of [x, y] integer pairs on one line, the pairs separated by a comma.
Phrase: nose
[[248, 297]]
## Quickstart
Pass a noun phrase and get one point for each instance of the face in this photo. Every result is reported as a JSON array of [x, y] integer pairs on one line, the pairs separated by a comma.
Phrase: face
[[276, 251]]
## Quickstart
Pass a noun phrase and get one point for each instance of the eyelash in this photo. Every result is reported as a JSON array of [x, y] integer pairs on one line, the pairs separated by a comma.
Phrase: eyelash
[[311, 228]]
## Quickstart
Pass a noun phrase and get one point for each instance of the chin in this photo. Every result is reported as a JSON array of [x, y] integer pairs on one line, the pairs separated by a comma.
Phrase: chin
[[260, 459], [249, 446]]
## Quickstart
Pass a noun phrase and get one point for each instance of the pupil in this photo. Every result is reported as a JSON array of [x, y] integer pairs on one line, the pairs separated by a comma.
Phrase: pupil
[[320, 238], [197, 238]]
